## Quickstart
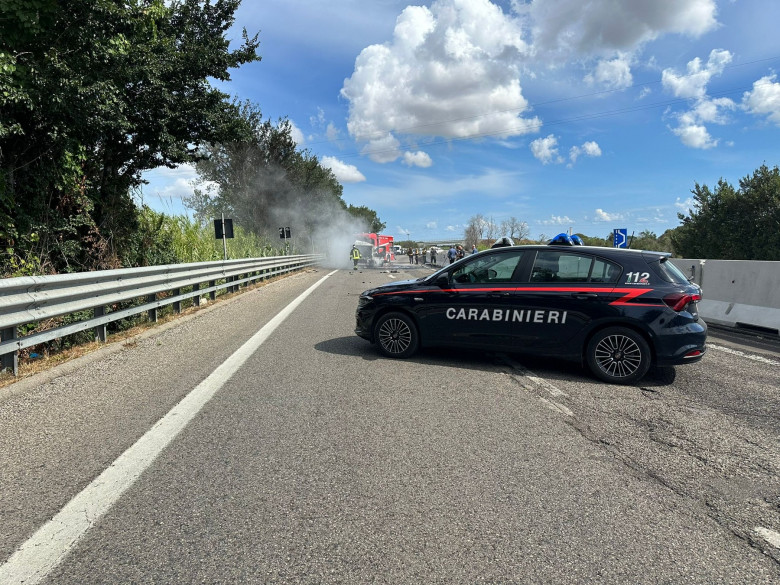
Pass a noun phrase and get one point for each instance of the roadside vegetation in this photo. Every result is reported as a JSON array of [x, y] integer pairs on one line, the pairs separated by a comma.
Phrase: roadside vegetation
[[93, 94]]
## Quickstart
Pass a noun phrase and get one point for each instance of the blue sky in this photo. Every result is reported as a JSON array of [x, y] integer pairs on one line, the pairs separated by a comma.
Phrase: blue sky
[[582, 114]]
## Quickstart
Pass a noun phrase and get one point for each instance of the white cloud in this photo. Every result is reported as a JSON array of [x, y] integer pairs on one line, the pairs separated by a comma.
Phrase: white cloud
[[383, 150], [695, 136], [589, 148], [557, 220], [296, 134], [693, 84], [332, 132], [691, 127], [173, 183], [344, 173], [417, 159], [546, 149], [602, 215], [319, 119], [432, 225], [613, 74], [764, 99], [567, 28], [451, 70], [684, 205]]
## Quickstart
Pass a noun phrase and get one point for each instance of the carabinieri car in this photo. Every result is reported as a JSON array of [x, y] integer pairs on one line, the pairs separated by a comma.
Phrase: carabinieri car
[[619, 311]]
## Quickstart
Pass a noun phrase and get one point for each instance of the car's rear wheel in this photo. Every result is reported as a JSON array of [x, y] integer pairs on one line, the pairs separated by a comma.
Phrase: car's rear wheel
[[396, 335], [618, 355]]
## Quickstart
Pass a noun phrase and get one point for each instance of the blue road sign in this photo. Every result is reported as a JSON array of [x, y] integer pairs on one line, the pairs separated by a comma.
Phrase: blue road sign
[[621, 238]]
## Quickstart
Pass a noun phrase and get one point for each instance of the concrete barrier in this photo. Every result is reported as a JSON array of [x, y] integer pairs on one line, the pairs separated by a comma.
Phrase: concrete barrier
[[737, 293]]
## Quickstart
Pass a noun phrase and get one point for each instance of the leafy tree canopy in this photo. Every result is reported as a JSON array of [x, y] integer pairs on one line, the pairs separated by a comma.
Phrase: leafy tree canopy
[[368, 217], [733, 224], [94, 92]]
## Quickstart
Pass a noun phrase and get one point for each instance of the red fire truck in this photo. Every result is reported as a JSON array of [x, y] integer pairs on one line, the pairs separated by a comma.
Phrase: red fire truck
[[383, 251]]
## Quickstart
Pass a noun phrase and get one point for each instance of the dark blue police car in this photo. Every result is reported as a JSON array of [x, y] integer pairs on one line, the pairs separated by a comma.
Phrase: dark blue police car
[[619, 311]]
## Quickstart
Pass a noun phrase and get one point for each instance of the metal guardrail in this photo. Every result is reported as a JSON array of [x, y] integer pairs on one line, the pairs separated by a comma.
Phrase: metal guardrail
[[31, 299]]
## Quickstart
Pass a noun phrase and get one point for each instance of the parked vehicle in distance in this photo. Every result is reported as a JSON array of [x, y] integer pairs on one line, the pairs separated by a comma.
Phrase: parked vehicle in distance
[[617, 311]]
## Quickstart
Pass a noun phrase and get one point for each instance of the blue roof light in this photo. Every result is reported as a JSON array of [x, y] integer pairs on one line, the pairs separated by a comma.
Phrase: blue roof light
[[562, 239]]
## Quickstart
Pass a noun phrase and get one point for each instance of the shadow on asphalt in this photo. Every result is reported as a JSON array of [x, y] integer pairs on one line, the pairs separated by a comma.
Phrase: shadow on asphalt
[[551, 369]]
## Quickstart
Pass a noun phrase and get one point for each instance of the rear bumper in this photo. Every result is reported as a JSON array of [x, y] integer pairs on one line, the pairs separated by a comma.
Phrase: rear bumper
[[686, 346]]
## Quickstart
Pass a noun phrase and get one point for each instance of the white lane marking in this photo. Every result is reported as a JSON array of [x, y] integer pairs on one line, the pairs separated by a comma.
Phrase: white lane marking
[[551, 388], [552, 405], [750, 356], [770, 536], [34, 559]]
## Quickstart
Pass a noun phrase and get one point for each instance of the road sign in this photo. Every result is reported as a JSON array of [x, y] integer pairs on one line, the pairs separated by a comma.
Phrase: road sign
[[228, 228], [621, 238], [284, 233]]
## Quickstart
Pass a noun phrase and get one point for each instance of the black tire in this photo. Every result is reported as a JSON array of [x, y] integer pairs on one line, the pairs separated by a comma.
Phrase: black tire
[[618, 355], [396, 335]]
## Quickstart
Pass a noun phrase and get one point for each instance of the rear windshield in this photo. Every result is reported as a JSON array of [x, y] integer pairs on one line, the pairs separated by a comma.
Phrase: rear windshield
[[668, 271]]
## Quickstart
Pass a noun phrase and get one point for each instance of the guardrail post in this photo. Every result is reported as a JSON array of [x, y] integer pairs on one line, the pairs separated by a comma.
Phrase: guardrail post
[[213, 294], [10, 360], [100, 331], [152, 313], [196, 298], [177, 304]]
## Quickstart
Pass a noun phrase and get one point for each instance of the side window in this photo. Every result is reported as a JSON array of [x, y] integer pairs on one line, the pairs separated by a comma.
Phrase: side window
[[574, 267], [489, 269], [604, 271], [545, 267], [556, 266]]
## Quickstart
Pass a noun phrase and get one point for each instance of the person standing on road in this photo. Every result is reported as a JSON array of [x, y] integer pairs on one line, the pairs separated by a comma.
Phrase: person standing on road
[[355, 255], [433, 255], [460, 252], [474, 249], [411, 255], [452, 254]]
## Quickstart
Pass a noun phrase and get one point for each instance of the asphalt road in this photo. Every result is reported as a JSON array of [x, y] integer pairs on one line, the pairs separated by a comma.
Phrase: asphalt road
[[318, 461]]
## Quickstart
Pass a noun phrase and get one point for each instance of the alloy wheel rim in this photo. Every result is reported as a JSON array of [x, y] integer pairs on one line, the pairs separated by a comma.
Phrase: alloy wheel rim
[[395, 336], [618, 356]]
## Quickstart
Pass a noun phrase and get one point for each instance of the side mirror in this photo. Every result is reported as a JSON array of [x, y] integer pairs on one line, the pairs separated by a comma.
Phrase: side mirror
[[443, 281]]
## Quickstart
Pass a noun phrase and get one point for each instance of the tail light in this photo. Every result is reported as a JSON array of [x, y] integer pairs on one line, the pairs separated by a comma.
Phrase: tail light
[[678, 301]]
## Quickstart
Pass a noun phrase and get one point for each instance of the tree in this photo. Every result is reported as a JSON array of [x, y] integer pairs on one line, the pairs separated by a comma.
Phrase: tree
[[515, 229], [93, 93], [264, 181], [369, 217], [733, 224]]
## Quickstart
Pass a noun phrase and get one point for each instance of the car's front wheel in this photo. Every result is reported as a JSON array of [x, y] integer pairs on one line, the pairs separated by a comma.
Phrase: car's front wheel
[[396, 335], [618, 355]]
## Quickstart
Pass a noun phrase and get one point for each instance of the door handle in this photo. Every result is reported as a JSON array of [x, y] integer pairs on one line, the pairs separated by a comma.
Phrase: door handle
[[583, 296], [498, 295]]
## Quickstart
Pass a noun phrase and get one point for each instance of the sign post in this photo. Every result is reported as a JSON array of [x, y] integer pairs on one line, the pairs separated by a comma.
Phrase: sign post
[[620, 238], [284, 233], [223, 229]]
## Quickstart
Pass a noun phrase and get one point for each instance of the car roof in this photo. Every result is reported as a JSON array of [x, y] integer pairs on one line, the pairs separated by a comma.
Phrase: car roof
[[602, 250]]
